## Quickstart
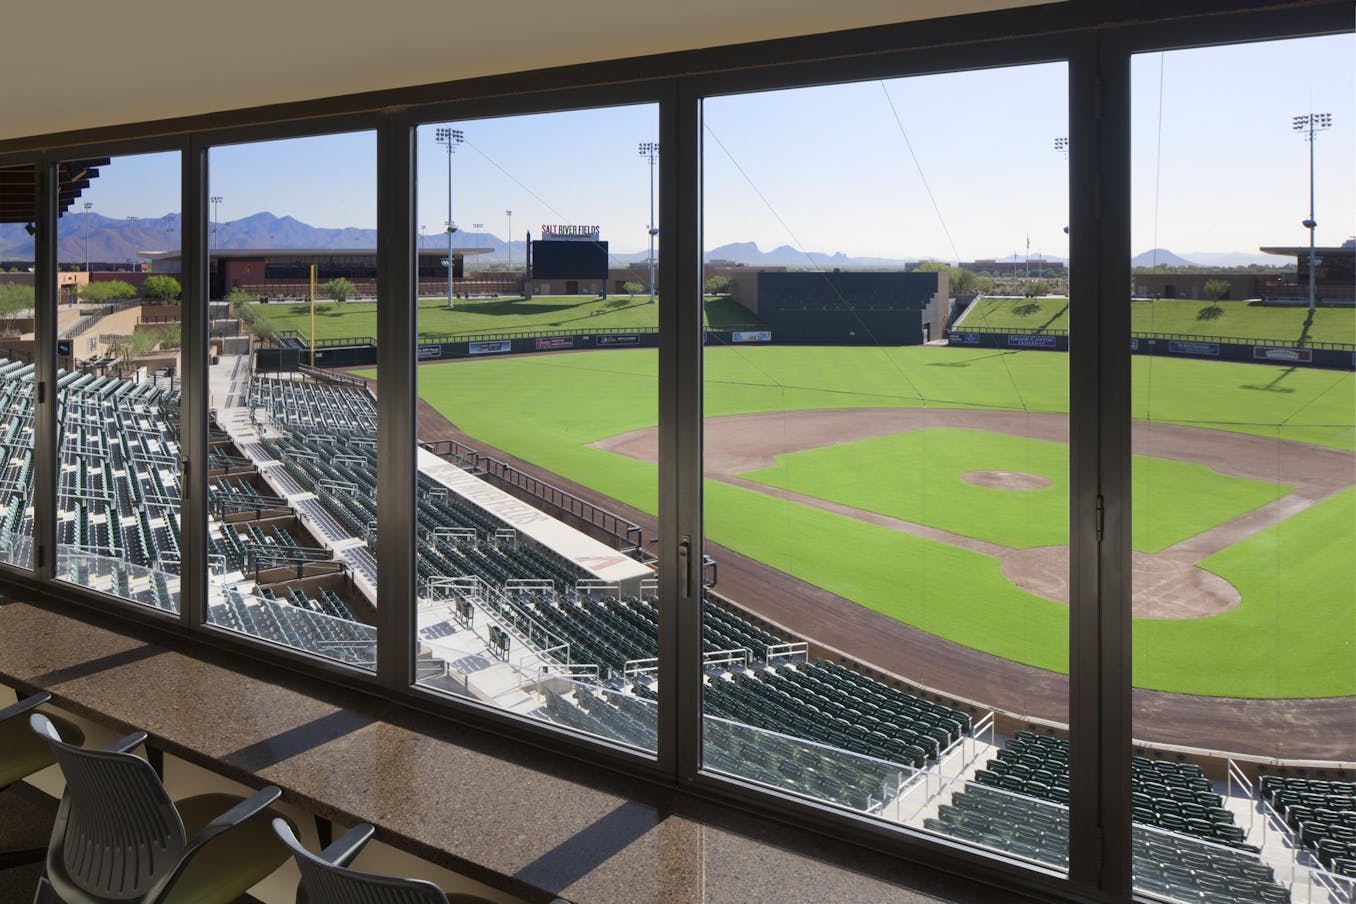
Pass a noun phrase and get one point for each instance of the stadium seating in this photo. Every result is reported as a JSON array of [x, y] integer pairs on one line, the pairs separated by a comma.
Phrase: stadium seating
[[1176, 866], [1321, 813], [1172, 796]]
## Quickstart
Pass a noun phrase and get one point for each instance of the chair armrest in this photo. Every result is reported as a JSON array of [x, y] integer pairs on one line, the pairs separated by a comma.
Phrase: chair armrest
[[233, 817], [123, 745], [342, 851], [25, 705], [236, 815]]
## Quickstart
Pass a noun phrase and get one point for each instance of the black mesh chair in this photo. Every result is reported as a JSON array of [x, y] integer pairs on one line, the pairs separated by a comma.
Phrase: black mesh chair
[[21, 754], [119, 837], [326, 878]]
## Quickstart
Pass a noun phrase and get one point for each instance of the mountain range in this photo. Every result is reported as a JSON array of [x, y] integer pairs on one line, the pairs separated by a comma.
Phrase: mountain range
[[118, 240]]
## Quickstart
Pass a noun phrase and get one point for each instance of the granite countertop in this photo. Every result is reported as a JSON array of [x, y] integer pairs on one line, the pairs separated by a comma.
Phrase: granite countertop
[[517, 818]]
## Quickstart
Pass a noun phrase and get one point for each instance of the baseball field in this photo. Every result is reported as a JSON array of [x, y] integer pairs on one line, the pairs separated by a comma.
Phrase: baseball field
[[931, 485]]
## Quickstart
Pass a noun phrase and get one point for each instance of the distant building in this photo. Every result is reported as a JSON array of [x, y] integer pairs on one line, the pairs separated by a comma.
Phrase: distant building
[[286, 272], [1334, 283]]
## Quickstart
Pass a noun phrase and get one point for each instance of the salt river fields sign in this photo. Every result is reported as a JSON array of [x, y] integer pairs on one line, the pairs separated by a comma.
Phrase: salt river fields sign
[[570, 233]]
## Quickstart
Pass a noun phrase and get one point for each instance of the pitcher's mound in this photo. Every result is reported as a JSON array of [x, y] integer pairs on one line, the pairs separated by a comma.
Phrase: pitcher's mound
[[1162, 588], [1006, 480]]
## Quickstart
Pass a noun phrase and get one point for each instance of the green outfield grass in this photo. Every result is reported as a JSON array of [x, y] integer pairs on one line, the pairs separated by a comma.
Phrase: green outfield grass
[[1293, 635], [547, 409], [1241, 319], [915, 477], [471, 317]]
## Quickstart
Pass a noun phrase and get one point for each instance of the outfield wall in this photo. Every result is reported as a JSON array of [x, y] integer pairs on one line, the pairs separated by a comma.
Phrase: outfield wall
[[1323, 355], [362, 352]]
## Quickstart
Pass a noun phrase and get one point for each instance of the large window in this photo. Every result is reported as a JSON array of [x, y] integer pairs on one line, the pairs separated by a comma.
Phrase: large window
[[537, 353], [293, 508], [1244, 473], [119, 367], [18, 187], [885, 610], [883, 481]]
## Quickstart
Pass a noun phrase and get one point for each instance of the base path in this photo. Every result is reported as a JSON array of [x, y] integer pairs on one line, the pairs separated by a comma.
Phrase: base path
[[1305, 729]]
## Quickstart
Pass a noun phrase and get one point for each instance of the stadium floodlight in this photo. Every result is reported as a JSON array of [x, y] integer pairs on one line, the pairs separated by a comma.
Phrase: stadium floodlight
[[509, 214], [133, 221], [449, 138], [1310, 124], [650, 150], [1062, 146], [216, 213], [88, 205]]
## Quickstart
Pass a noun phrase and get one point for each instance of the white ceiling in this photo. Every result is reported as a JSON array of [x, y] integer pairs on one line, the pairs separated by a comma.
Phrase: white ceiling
[[80, 64]]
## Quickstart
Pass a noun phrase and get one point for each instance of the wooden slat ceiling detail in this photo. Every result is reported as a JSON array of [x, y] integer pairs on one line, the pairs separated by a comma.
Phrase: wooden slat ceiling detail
[[18, 188]]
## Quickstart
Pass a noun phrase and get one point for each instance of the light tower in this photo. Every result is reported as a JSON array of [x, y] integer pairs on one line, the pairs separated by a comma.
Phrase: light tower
[[216, 212], [509, 214], [88, 205], [1310, 124], [133, 222], [449, 138], [1062, 145], [650, 150]]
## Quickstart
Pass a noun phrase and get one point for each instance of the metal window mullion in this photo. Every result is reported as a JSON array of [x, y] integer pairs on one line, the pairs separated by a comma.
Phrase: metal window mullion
[[680, 432], [396, 404], [45, 451], [1099, 467], [193, 397]]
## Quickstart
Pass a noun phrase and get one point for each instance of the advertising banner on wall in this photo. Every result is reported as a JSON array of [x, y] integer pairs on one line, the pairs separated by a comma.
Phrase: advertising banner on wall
[[617, 340], [490, 348], [1023, 340], [554, 342], [751, 336], [1268, 353], [430, 351], [1178, 347]]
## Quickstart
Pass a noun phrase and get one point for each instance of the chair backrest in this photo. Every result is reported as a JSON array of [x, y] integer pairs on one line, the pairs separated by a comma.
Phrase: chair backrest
[[322, 881], [122, 832]]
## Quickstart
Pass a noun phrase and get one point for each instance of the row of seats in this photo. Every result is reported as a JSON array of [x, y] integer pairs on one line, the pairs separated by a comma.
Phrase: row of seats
[[1173, 796], [1175, 866], [1322, 813]]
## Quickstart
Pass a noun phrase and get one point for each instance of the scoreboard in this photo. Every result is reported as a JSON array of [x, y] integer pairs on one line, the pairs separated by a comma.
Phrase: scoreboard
[[569, 259]]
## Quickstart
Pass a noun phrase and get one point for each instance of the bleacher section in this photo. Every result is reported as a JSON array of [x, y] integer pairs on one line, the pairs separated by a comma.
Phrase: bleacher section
[[1173, 796], [315, 625], [1175, 866], [117, 482], [1322, 814]]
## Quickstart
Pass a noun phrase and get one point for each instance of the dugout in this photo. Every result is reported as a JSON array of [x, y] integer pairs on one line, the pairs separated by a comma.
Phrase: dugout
[[846, 307]]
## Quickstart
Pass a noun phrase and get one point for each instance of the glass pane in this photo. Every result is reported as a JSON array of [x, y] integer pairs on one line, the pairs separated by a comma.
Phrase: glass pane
[[1244, 475], [535, 589], [293, 505], [118, 485], [885, 624], [17, 212]]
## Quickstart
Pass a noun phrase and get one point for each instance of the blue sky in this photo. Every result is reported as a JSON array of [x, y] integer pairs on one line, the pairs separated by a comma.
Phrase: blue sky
[[830, 169]]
